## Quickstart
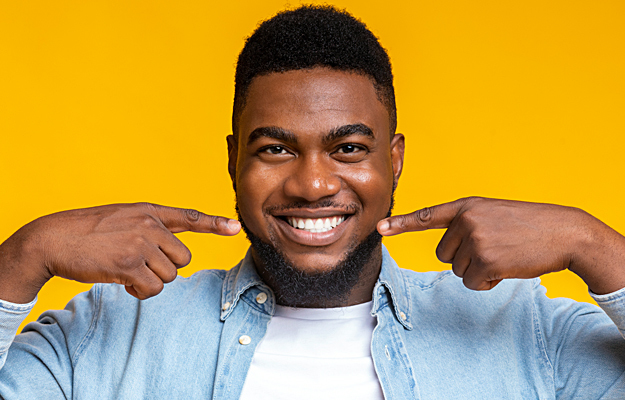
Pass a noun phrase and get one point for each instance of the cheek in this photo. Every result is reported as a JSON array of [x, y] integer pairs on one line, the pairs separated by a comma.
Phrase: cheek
[[373, 186], [255, 187]]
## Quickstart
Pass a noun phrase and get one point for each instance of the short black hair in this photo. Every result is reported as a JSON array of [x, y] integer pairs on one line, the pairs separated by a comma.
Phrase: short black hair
[[314, 36]]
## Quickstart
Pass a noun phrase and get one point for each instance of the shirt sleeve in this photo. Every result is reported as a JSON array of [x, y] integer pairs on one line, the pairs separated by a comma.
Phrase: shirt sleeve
[[584, 348], [40, 361], [11, 316], [614, 305]]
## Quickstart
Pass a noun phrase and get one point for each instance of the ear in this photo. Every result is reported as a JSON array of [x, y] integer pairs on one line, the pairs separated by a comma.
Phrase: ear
[[233, 152], [397, 155]]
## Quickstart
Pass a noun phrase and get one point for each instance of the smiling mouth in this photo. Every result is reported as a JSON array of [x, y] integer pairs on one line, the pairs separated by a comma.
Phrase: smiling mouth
[[315, 225]]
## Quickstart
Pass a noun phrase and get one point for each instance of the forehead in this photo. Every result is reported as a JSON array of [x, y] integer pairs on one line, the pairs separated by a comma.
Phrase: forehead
[[313, 101]]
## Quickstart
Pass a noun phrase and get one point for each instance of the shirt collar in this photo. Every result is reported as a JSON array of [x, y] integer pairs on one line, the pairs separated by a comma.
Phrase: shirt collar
[[390, 283], [239, 279]]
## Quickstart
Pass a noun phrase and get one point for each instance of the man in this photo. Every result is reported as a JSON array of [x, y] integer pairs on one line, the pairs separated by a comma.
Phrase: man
[[317, 308]]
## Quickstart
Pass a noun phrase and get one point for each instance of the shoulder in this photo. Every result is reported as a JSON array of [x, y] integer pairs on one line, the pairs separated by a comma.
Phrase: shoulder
[[444, 289], [201, 286]]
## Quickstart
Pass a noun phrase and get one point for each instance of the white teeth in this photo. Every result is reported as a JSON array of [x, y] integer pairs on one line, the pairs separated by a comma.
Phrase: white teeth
[[317, 224]]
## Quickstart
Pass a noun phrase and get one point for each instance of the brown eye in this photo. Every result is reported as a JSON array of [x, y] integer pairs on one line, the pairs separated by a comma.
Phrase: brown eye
[[275, 150], [350, 153], [350, 149]]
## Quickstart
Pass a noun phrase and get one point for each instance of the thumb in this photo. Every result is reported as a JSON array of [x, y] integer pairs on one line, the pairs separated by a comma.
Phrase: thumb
[[435, 217]]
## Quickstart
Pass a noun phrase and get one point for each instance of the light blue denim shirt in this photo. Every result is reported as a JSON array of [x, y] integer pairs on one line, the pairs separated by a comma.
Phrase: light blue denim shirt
[[434, 339]]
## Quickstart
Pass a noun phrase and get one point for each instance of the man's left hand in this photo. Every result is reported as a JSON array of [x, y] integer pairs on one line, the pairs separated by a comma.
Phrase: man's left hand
[[488, 240]]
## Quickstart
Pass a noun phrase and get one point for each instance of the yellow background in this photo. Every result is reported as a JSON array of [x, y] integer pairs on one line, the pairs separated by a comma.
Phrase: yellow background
[[125, 101]]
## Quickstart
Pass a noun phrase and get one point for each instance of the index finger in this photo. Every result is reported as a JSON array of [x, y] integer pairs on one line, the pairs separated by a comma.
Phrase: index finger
[[190, 220], [435, 217]]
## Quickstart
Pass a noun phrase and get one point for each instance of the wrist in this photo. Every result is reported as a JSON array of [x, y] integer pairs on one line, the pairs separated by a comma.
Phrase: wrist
[[598, 255], [22, 271]]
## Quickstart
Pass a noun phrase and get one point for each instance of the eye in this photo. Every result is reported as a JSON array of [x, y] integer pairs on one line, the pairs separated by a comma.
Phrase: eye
[[275, 150], [350, 152], [349, 148]]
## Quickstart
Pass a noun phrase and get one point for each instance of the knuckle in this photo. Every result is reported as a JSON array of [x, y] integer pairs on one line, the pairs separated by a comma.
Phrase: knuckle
[[147, 221], [130, 262], [138, 242], [423, 216], [466, 218], [471, 283], [155, 288], [150, 288], [170, 275], [191, 215], [477, 238], [483, 260], [493, 275]]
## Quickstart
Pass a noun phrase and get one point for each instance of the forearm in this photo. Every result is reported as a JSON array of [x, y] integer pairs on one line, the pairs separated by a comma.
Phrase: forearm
[[599, 257]]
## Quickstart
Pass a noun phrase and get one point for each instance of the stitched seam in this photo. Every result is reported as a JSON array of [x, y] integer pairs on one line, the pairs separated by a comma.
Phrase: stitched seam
[[235, 300], [94, 319], [408, 297], [441, 277], [404, 359], [542, 348], [9, 310], [406, 324]]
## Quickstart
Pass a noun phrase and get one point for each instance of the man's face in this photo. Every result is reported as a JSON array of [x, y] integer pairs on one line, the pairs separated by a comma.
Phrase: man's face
[[314, 164]]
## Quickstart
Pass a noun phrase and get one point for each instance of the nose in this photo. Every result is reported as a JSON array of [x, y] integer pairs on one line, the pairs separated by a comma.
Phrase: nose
[[312, 179]]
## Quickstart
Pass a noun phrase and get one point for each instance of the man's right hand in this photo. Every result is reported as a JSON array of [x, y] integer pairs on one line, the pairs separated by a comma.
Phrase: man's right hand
[[128, 244]]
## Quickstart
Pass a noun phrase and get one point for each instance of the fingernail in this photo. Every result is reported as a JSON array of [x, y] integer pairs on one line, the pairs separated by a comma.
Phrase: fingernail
[[385, 226], [234, 225]]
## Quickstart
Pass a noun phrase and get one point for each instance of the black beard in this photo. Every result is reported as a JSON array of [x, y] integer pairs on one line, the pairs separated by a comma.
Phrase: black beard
[[297, 288]]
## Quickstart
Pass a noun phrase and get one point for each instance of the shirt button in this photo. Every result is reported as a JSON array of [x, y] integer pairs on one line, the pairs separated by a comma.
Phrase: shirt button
[[261, 298], [402, 315], [245, 340], [226, 306]]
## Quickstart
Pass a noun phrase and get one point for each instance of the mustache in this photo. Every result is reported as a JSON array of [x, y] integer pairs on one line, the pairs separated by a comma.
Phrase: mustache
[[350, 208]]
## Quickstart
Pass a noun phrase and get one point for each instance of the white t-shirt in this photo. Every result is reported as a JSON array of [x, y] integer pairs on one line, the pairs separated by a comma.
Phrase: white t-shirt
[[314, 353]]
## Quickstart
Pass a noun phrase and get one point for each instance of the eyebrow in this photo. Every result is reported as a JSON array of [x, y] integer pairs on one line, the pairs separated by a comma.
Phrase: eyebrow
[[272, 132], [348, 130], [284, 135]]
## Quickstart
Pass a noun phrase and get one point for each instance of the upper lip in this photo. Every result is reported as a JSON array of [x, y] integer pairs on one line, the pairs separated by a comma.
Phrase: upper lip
[[312, 213]]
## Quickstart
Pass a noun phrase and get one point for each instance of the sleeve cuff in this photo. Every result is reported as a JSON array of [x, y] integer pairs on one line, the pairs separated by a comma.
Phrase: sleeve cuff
[[11, 316], [614, 305]]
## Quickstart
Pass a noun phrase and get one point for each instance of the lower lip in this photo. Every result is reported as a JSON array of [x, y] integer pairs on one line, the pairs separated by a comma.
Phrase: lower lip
[[305, 238]]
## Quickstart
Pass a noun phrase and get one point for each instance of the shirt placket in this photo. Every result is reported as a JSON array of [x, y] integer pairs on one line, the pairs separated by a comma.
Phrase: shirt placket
[[390, 358], [243, 330]]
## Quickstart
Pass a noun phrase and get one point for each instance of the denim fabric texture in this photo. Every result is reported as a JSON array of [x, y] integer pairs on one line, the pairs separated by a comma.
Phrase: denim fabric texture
[[434, 339]]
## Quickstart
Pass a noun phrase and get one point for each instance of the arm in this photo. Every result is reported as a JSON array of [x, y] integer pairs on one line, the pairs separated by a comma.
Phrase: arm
[[129, 244], [488, 240]]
